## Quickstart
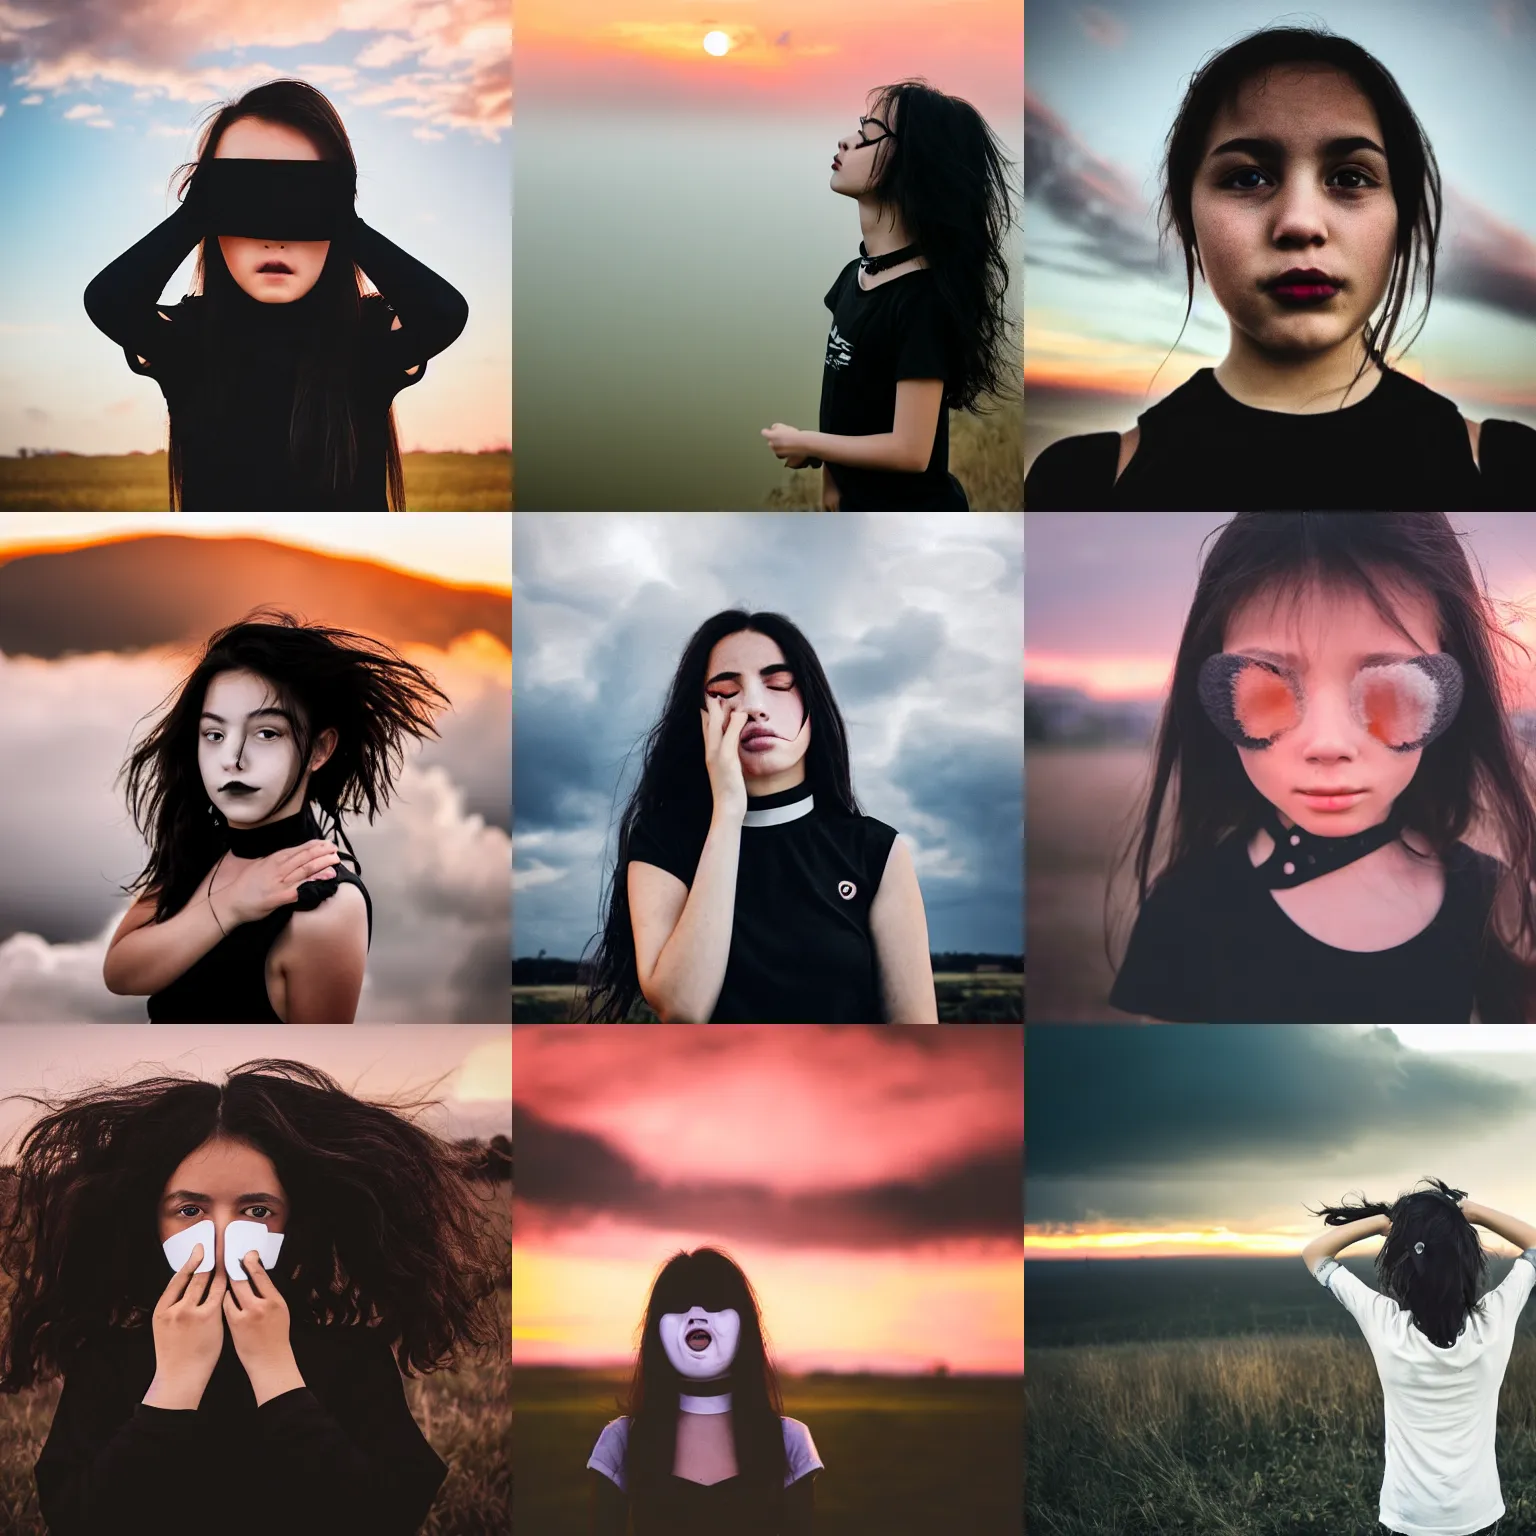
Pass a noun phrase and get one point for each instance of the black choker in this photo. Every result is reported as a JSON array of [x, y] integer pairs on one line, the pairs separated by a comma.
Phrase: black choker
[[690, 1388], [1300, 856], [258, 842], [873, 264]]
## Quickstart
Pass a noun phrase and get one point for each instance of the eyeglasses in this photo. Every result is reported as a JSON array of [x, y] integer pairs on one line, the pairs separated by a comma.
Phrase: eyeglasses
[[865, 140]]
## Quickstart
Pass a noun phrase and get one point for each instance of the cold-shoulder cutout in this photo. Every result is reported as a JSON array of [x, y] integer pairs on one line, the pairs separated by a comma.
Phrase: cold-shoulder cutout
[[1129, 442], [1474, 432]]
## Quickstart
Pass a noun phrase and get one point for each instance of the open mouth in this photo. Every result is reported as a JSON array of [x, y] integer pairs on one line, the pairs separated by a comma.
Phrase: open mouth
[[698, 1340], [274, 269]]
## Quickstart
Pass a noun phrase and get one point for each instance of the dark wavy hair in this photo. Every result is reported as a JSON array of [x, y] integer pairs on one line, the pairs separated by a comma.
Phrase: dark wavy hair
[[322, 426], [1410, 160], [385, 1229], [674, 783], [326, 679], [1476, 770], [710, 1279], [1440, 1282], [945, 174]]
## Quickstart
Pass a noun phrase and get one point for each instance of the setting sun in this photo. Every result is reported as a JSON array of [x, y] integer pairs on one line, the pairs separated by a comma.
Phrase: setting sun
[[716, 43]]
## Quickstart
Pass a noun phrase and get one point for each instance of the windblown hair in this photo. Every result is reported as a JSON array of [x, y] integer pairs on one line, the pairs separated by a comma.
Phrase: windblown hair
[[1477, 769], [324, 678], [710, 1279], [946, 175], [674, 783], [322, 426], [1432, 1263], [1410, 162], [385, 1227]]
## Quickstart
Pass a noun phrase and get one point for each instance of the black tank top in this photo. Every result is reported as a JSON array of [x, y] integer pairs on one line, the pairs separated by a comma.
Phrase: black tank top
[[1402, 448], [228, 985]]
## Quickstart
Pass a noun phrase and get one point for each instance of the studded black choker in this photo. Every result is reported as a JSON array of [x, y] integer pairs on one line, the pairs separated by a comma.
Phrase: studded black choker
[[873, 264], [1300, 856], [258, 842]]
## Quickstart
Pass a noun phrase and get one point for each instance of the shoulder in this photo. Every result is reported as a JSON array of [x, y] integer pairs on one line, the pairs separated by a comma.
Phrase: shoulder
[[840, 282], [1506, 456], [1073, 473], [342, 913], [608, 1454], [800, 1449]]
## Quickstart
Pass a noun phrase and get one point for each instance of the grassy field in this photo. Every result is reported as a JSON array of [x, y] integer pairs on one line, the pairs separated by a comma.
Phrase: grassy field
[[986, 455], [964, 998], [134, 482], [905, 1456]]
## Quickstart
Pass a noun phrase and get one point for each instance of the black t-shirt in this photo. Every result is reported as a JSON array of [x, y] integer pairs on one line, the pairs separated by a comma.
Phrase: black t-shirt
[[1402, 448], [235, 451], [341, 1453], [801, 950], [1211, 946], [895, 331]]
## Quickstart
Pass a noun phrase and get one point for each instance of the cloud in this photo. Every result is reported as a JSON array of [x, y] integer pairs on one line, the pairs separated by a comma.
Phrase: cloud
[[385, 52], [1102, 28], [31, 101], [1486, 260], [428, 135], [82, 111]]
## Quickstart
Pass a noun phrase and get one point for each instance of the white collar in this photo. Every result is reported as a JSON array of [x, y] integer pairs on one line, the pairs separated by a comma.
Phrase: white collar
[[780, 813], [721, 1404]]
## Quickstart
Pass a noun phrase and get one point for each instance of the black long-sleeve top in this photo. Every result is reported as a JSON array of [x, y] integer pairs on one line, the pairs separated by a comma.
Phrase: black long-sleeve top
[[341, 1454], [238, 457]]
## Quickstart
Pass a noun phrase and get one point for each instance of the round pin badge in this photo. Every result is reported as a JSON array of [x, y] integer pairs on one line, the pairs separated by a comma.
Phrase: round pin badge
[[847, 889]]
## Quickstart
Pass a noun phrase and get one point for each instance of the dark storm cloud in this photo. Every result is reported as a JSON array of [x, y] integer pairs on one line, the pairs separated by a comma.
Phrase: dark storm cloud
[[569, 1177], [891, 657]]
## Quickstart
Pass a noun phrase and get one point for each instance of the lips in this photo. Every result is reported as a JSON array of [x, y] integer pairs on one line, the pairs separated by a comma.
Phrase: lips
[[1341, 790], [238, 789], [753, 732], [698, 1339], [1304, 286], [275, 267], [837, 163]]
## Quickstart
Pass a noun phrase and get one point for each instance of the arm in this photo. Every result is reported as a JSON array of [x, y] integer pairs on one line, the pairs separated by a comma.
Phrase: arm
[[610, 1509], [1520, 1233], [899, 928], [431, 311], [800, 1506], [1333, 1240], [907, 447], [144, 956], [683, 933], [324, 957], [121, 298]]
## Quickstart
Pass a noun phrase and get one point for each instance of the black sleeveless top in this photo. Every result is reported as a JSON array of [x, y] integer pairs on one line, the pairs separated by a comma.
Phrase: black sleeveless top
[[1402, 448], [228, 985]]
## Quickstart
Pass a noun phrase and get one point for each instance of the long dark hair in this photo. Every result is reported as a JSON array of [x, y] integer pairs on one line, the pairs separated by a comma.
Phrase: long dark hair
[[710, 1279], [324, 678], [1439, 1282], [946, 175], [1410, 160], [385, 1227], [322, 426], [674, 783], [1476, 769]]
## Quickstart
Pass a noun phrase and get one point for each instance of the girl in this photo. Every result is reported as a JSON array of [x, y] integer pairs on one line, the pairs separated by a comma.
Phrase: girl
[[246, 917], [1303, 186], [1440, 1351], [280, 371], [1335, 724], [239, 1391], [750, 887], [918, 320], [704, 1446]]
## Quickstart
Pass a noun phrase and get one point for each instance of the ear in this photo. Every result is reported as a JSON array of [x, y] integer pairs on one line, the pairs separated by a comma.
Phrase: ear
[[325, 745]]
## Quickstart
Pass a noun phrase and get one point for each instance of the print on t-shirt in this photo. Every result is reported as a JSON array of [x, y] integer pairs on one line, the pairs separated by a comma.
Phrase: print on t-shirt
[[839, 350]]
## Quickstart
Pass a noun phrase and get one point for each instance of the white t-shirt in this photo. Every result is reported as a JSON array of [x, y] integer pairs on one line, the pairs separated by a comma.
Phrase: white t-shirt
[[1441, 1404], [608, 1454]]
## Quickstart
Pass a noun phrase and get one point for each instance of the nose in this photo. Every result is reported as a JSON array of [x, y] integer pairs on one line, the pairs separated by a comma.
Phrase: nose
[[1300, 213], [1328, 730]]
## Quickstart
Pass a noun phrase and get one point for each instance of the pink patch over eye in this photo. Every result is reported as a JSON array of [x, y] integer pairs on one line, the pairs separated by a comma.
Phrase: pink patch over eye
[[1397, 707], [1264, 704]]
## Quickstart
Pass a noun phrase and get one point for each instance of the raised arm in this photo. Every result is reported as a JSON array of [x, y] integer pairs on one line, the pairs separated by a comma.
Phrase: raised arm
[[122, 298], [1520, 1233], [1332, 1241], [432, 311]]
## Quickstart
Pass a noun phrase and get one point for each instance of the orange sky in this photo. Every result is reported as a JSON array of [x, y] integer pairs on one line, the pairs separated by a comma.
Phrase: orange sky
[[1108, 1242]]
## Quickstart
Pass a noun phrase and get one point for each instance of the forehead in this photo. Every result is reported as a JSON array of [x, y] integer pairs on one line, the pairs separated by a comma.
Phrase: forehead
[[1296, 105], [253, 138], [237, 693], [224, 1167], [745, 651], [1319, 621]]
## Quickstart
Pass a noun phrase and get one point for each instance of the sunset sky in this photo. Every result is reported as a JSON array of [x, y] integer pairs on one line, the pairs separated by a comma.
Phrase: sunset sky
[[1103, 85], [1197, 1139], [867, 1181], [1107, 593], [99, 104]]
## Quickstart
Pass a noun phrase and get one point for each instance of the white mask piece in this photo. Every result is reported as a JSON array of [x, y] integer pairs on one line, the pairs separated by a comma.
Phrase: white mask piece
[[714, 1333], [239, 1238]]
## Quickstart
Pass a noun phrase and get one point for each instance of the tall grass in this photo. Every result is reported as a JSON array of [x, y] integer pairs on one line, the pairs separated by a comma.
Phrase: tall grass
[[1232, 1437]]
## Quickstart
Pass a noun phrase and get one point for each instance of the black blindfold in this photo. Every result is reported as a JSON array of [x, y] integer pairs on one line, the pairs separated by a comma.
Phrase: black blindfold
[[278, 199]]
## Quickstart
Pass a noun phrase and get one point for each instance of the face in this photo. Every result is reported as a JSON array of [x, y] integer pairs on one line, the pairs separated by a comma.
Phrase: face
[[246, 751], [1262, 212], [747, 671], [223, 1181], [700, 1344], [859, 160], [1340, 740], [252, 139]]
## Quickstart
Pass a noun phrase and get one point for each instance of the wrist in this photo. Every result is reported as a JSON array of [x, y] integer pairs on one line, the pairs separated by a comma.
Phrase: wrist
[[179, 1395], [272, 1381]]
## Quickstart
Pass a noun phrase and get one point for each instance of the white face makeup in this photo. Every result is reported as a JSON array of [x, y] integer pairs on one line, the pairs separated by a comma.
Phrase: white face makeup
[[227, 1196], [748, 671], [245, 255], [701, 1345], [246, 751]]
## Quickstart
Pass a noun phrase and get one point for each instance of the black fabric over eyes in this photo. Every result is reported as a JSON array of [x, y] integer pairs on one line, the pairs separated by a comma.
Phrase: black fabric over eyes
[[277, 199]]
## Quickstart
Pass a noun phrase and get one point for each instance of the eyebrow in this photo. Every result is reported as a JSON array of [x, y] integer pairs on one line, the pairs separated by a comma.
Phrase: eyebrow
[[1275, 150], [735, 677], [192, 1194], [282, 714], [1370, 659]]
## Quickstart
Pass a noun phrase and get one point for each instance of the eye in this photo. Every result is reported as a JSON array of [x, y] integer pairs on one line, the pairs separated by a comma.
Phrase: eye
[[267, 730], [266, 1208], [1366, 183], [208, 735], [183, 1208]]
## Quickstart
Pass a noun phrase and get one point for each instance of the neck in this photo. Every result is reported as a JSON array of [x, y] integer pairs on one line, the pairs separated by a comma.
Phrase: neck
[[881, 227], [269, 835], [776, 783], [1303, 385]]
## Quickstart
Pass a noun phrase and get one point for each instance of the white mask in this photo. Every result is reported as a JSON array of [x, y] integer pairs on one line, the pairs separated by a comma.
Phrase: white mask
[[239, 1238], [715, 1356]]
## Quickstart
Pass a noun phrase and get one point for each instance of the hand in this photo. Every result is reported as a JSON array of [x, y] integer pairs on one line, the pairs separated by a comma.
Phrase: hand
[[831, 497], [189, 1334], [267, 884], [722, 735], [258, 1323], [786, 443]]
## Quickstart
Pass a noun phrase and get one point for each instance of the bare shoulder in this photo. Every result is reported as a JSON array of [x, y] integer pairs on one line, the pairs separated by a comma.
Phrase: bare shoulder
[[1129, 442], [1474, 435], [339, 916]]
